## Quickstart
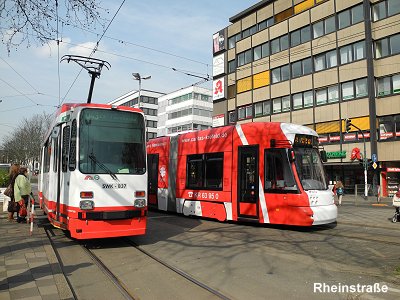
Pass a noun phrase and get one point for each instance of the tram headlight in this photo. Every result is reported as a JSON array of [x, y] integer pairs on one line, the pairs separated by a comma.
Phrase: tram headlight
[[86, 204], [139, 203]]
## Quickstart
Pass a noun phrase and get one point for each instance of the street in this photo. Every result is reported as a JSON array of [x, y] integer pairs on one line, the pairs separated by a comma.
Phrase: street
[[243, 261]]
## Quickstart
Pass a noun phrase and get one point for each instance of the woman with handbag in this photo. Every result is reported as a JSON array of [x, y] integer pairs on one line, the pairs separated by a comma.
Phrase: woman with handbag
[[22, 190], [12, 204], [339, 190]]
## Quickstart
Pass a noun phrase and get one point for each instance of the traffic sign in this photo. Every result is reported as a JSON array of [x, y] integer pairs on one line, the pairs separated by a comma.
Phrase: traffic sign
[[374, 158], [374, 165]]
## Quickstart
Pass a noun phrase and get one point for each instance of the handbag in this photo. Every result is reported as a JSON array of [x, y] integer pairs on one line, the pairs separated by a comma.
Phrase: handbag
[[8, 191], [22, 209], [13, 206]]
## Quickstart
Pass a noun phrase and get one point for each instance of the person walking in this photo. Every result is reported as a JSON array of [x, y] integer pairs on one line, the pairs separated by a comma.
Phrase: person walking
[[22, 189], [12, 207], [339, 190]]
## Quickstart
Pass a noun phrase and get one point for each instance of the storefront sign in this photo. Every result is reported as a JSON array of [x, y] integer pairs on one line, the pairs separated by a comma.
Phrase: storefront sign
[[336, 154], [393, 169]]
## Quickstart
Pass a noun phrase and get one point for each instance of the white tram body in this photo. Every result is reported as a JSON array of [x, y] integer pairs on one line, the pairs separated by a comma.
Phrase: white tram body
[[93, 179]]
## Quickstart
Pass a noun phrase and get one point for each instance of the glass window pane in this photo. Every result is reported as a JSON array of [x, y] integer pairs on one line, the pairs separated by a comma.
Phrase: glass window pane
[[331, 59], [241, 113], [257, 52], [383, 86], [240, 59], [344, 19], [258, 109], [321, 96], [330, 25], [295, 38], [393, 7], [347, 90], [305, 34], [307, 66], [286, 103], [296, 69], [379, 11], [285, 73], [275, 46], [284, 40], [247, 57], [346, 55], [357, 14], [262, 25], [396, 85], [249, 111], [318, 29], [381, 48], [265, 49], [297, 101], [308, 98], [319, 62], [361, 88], [359, 50], [276, 105], [395, 44], [266, 108], [276, 75], [333, 94]]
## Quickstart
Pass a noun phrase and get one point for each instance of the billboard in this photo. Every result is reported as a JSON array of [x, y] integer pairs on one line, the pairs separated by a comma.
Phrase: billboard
[[218, 65], [218, 88], [218, 41]]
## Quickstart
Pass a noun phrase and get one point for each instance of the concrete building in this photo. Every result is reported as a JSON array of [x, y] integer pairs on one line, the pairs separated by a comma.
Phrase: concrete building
[[148, 103], [316, 63], [186, 109]]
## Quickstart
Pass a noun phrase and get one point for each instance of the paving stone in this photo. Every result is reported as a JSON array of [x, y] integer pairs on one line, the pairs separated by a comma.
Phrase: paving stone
[[48, 290], [21, 267], [25, 293], [20, 278], [13, 286], [45, 282]]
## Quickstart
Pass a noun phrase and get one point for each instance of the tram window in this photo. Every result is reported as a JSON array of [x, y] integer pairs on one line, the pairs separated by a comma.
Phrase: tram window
[[72, 148], [204, 171], [65, 148], [55, 154], [47, 153], [278, 172]]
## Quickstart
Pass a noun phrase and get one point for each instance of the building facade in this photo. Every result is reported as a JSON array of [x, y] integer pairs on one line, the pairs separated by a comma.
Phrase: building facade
[[148, 102], [186, 109], [316, 63]]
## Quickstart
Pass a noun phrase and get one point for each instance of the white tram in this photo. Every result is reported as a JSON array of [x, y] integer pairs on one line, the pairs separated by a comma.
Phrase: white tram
[[93, 177]]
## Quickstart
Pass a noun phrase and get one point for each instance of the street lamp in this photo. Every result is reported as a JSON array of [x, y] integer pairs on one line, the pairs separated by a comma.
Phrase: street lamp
[[137, 76]]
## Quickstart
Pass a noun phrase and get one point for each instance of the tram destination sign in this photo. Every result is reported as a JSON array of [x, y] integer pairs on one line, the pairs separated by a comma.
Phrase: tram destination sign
[[336, 154], [304, 140]]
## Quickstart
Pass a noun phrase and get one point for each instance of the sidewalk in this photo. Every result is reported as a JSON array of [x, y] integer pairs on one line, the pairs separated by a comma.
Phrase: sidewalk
[[29, 268], [351, 199]]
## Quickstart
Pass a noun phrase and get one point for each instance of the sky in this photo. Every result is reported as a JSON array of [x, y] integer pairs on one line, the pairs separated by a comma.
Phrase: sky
[[147, 37]]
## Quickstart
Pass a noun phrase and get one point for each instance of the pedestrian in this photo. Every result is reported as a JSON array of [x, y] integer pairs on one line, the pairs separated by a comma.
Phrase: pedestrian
[[12, 205], [22, 189], [339, 190]]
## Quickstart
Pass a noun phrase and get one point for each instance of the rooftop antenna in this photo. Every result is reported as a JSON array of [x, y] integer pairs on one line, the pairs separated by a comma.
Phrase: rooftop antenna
[[92, 65]]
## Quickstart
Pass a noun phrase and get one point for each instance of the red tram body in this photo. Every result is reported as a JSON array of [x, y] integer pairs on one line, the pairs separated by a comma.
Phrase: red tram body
[[264, 172]]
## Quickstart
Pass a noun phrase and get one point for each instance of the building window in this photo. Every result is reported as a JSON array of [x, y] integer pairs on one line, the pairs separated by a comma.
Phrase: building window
[[297, 101], [333, 94], [387, 128], [325, 60], [304, 99], [232, 117], [280, 44], [321, 96], [232, 66], [257, 53], [249, 31], [244, 58], [361, 88], [245, 112], [267, 107], [388, 85], [233, 39], [347, 90], [286, 103], [258, 109], [385, 9], [231, 91], [324, 27], [308, 98], [300, 36], [296, 69], [267, 23], [280, 74], [302, 67], [351, 16], [277, 105]]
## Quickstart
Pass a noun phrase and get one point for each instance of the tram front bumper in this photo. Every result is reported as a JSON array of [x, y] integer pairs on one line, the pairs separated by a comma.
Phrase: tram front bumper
[[324, 214]]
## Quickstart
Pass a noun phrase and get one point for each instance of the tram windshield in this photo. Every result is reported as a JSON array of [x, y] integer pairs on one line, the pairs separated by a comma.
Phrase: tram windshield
[[310, 169], [111, 142]]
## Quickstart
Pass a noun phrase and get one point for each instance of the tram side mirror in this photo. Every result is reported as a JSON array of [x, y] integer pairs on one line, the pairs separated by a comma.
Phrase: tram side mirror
[[291, 155], [324, 157], [55, 132]]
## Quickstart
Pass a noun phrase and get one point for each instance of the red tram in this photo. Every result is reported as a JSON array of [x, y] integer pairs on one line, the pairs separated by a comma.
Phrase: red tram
[[263, 172]]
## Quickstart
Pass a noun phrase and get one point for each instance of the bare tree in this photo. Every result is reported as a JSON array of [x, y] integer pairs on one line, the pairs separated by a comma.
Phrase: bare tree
[[24, 144], [37, 20]]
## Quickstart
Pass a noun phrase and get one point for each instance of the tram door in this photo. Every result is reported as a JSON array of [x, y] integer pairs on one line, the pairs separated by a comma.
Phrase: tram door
[[152, 181], [248, 181]]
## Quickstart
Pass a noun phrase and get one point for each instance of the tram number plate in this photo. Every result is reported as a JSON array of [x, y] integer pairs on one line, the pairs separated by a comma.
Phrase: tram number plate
[[114, 185], [200, 195]]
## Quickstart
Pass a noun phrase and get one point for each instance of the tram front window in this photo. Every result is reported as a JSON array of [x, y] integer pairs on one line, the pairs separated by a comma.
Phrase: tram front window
[[309, 168], [111, 141]]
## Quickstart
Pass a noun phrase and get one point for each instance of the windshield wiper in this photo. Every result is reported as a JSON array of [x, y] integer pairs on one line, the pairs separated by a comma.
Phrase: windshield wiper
[[103, 167]]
